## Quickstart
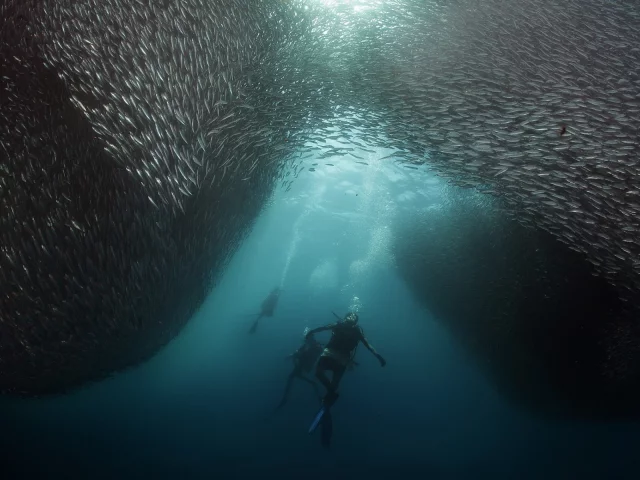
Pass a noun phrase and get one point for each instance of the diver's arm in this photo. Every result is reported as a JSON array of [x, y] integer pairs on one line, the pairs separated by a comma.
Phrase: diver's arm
[[292, 355], [320, 329], [369, 347]]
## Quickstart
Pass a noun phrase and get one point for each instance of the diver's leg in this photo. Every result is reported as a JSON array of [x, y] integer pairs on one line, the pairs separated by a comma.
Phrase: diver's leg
[[314, 384], [332, 392], [317, 390], [321, 368], [254, 327], [306, 379], [287, 389], [338, 372]]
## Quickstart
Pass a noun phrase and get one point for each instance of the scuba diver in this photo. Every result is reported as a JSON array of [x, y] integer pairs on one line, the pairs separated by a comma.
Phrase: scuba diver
[[267, 308], [339, 352], [303, 361]]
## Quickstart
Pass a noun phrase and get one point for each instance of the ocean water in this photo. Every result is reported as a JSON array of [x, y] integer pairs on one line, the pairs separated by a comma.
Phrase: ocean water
[[204, 407]]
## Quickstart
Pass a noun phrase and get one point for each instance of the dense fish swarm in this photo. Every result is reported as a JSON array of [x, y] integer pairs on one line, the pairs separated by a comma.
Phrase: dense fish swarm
[[139, 140], [482, 91], [536, 102], [135, 153], [529, 310]]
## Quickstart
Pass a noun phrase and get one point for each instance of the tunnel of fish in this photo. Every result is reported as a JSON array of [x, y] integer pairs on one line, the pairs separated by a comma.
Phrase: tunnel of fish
[[141, 139]]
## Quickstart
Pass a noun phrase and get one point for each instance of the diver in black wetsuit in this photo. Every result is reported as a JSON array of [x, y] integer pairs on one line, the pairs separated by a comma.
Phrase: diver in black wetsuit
[[339, 352], [303, 361]]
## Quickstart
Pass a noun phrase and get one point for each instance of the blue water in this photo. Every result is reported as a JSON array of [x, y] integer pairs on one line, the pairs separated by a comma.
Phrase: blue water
[[204, 406]]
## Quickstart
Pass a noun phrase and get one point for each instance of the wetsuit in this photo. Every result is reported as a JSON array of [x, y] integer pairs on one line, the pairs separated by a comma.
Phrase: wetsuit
[[338, 353], [306, 357], [303, 361]]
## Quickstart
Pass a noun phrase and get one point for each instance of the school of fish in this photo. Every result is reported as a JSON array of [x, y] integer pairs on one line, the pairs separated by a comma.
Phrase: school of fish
[[139, 141], [135, 155], [550, 336]]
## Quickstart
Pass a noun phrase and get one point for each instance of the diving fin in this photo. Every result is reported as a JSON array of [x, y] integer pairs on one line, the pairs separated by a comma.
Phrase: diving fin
[[254, 327], [324, 410], [326, 429], [317, 419]]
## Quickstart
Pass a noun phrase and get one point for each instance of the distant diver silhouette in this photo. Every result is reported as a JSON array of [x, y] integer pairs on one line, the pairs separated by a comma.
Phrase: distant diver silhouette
[[267, 308]]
